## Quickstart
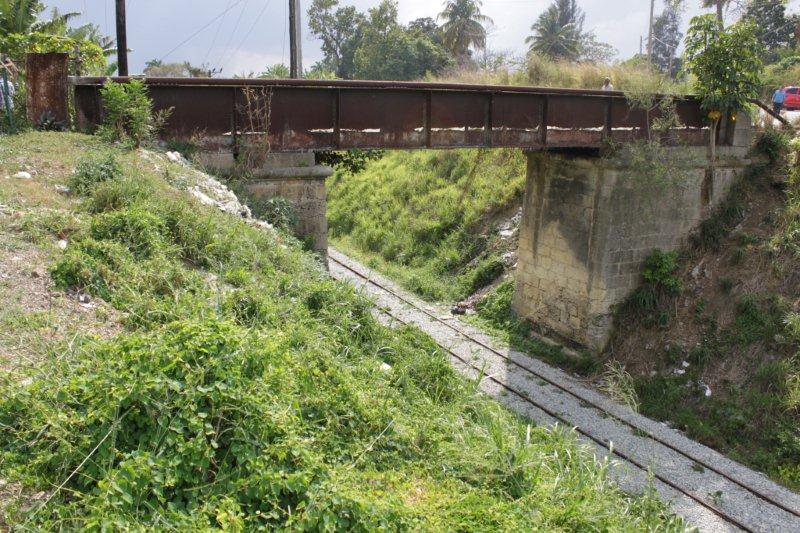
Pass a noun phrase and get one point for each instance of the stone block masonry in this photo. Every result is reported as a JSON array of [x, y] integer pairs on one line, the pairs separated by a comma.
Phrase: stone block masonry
[[588, 225], [294, 177]]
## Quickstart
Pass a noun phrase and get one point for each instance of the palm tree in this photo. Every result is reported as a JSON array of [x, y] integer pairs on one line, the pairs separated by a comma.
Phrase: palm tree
[[18, 16], [720, 5], [558, 32], [463, 26], [22, 16]]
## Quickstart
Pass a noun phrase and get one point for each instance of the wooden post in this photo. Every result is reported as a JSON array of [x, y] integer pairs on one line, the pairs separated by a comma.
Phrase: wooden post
[[122, 40], [295, 51]]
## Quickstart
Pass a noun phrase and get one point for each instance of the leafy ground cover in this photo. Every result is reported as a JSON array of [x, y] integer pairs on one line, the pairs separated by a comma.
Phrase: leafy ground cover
[[241, 388]]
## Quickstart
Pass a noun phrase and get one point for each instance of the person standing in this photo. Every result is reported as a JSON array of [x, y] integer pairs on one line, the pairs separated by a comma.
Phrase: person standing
[[3, 81], [778, 99], [607, 86]]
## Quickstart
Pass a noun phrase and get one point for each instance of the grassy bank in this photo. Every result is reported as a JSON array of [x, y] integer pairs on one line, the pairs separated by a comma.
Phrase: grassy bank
[[243, 388], [429, 218]]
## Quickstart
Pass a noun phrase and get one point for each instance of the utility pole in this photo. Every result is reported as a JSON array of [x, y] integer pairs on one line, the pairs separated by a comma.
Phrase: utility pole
[[122, 40], [295, 53], [650, 32]]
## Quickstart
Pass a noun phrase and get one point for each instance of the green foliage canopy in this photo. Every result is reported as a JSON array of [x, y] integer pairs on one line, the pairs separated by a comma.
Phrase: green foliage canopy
[[374, 45], [726, 62]]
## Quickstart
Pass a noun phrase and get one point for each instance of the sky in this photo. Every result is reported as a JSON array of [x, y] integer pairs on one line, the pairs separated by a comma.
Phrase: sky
[[241, 36]]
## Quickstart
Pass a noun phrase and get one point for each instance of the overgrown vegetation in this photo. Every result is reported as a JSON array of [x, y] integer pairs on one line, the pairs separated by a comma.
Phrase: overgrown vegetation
[[428, 218], [128, 115], [719, 359], [251, 391]]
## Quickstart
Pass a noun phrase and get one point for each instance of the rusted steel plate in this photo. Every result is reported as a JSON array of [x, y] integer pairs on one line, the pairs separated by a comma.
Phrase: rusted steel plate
[[576, 121], [382, 119], [297, 115], [458, 119], [195, 111], [87, 107], [47, 87], [295, 119], [628, 123], [517, 120]]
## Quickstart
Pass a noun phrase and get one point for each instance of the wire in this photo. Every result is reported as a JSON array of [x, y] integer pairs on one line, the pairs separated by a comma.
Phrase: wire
[[255, 23], [216, 34], [230, 37], [192, 36]]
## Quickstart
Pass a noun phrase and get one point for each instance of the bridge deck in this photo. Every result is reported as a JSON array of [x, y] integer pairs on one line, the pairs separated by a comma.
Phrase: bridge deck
[[299, 115]]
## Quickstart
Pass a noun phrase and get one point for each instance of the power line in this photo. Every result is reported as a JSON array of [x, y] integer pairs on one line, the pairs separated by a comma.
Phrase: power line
[[255, 23], [230, 37], [216, 34], [209, 23]]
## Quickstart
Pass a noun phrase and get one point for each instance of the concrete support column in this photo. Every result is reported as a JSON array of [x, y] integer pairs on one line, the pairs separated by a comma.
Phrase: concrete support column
[[587, 227]]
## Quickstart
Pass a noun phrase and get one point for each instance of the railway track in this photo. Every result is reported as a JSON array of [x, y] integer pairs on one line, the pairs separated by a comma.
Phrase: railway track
[[711, 491]]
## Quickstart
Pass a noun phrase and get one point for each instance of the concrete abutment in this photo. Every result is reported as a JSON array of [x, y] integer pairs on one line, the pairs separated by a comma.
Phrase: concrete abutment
[[589, 224], [292, 176]]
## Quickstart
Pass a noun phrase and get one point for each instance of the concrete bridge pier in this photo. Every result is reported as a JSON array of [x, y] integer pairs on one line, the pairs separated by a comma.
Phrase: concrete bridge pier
[[588, 225], [293, 176]]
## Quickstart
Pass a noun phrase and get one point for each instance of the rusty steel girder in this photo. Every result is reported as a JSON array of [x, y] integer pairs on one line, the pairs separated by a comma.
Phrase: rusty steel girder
[[302, 115]]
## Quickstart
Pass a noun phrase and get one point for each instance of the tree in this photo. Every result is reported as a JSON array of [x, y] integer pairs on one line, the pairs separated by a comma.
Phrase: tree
[[719, 6], [463, 27], [156, 68], [727, 65], [773, 28], [554, 37], [426, 26], [558, 34], [22, 17], [375, 45], [666, 39], [276, 71], [390, 51], [340, 33]]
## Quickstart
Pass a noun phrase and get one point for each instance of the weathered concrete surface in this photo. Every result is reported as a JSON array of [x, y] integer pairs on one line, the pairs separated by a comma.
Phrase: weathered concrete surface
[[294, 177], [47, 87], [588, 224], [673, 459]]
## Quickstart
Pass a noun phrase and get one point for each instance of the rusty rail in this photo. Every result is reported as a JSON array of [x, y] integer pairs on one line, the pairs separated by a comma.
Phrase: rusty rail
[[298, 115]]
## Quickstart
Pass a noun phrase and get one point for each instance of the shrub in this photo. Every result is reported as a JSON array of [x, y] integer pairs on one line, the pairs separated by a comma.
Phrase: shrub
[[352, 161], [659, 281], [91, 265], [659, 271], [128, 113], [116, 194], [773, 144], [92, 171], [141, 231]]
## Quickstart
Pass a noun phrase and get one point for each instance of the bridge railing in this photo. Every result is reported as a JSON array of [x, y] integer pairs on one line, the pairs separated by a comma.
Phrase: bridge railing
[[299, 115]]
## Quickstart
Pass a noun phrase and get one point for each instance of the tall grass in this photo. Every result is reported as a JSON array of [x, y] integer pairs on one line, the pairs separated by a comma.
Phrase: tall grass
[[544, 72]]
